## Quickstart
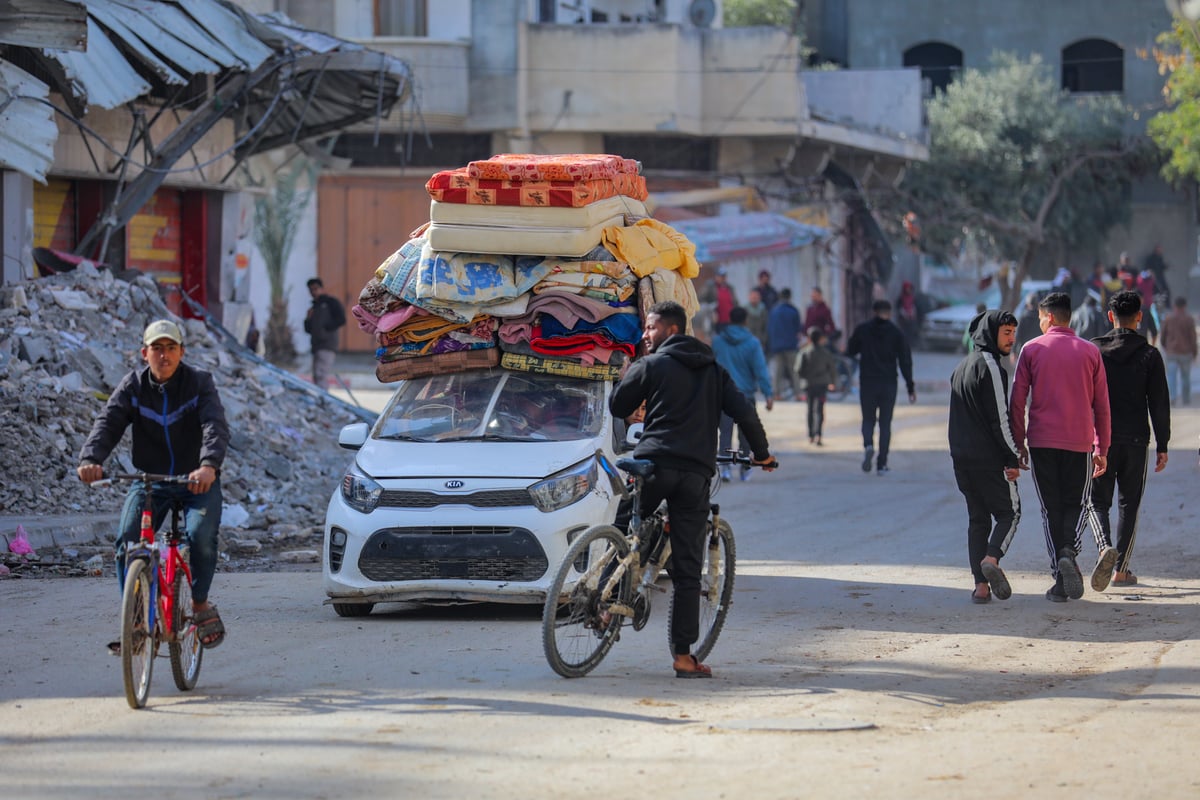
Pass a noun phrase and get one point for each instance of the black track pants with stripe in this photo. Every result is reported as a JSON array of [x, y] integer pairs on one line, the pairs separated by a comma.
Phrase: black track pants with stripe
[[1062, 479], [1126, 473], [989, 496]]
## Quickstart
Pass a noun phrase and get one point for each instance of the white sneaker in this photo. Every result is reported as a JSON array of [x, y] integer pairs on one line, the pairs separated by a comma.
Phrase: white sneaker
[[746, 473]]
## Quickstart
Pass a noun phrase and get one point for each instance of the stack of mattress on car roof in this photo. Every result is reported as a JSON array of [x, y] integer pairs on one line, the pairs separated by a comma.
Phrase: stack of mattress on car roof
[[537, 263]]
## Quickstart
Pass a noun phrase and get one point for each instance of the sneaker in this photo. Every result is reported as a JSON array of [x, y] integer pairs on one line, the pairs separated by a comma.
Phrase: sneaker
[[746, 473], [1103, 571], [882, 469], [726, 475], [1055, 594], [1068, 570], [868, 457]]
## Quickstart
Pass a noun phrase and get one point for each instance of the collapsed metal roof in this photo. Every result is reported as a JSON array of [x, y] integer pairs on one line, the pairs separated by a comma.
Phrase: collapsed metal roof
[[279, 83]]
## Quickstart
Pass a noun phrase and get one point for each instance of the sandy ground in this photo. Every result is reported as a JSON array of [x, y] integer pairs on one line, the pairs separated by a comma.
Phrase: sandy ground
[[852, 665]]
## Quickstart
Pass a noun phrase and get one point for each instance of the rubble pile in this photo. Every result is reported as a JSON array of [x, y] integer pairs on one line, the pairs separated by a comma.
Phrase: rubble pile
[[65, 342]]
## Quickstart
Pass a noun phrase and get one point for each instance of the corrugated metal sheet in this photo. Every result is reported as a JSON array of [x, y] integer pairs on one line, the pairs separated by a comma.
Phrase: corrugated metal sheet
[[230, 28], [117, 24], [188, 36], [44, 23], [323, 84], [27, 129], [101, 76]]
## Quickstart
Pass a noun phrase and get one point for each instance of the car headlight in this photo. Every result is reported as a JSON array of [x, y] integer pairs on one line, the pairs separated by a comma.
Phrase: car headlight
[[360, 491], [564, 488]]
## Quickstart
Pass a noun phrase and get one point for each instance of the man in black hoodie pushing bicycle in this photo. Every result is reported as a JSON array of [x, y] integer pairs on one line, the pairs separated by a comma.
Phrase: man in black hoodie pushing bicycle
[[685, 392]]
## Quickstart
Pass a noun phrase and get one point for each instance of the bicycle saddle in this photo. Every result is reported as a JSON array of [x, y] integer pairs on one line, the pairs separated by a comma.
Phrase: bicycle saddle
[[636, 466]]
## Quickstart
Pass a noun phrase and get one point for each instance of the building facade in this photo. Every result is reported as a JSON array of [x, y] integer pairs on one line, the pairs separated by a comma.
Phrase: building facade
[[661, 81]]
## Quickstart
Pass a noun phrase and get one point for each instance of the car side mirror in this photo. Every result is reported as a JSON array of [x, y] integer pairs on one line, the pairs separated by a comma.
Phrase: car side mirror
[[353, 436], [633, 434]]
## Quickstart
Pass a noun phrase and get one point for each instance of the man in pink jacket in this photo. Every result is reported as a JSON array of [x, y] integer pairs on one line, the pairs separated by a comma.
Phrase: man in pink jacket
[[1060, 381]]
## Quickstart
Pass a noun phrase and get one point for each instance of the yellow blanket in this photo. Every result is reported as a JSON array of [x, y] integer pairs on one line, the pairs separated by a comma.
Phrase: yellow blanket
[[648, 245]]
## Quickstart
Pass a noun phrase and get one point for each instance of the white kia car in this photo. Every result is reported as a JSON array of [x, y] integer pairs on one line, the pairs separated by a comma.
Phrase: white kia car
[[469, 487]]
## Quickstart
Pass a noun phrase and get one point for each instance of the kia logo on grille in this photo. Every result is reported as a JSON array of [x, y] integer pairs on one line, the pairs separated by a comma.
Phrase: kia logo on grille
[[455, 484]]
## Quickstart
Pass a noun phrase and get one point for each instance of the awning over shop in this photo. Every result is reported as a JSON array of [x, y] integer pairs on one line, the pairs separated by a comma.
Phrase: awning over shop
[[278, 82], [743, 235]]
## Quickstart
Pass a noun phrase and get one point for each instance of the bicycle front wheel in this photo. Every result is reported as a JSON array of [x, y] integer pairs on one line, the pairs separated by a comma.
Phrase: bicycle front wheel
[[137, 632], [716, 588], [185, 648], [577, 628]]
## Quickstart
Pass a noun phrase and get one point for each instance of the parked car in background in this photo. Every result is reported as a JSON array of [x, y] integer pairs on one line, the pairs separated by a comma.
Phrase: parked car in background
[[946, 328], [470, 487]]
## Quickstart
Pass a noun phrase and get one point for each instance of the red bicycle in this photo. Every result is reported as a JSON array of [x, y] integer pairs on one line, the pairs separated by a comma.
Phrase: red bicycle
[[156, 606]]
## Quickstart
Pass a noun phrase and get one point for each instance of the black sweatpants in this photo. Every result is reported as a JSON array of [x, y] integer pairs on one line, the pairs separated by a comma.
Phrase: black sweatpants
[[816, 411], [1127, 468], [878, 401], [1061, 478], [989, 496], [687, 499]]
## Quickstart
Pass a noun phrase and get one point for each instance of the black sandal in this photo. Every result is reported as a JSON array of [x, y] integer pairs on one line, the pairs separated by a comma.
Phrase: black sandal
[[209, 627]]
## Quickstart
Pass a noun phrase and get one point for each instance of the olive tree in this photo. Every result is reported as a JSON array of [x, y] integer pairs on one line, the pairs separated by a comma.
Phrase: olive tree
[[1019, 164]]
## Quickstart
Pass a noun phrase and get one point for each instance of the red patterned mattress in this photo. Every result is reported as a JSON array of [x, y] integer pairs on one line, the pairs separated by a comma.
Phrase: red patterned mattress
[[560, 167], [456, 186]]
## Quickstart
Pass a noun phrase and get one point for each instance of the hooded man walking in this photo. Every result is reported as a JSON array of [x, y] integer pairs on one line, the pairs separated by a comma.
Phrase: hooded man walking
[[986, 462], [738, 351], [1137, 388]]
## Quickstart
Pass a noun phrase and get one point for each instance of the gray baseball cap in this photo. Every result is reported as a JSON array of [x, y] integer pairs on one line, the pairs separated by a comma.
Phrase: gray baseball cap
[[162, 329]]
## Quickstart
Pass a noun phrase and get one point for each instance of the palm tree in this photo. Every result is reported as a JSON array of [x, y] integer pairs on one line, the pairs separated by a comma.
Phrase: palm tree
[[276, 218]]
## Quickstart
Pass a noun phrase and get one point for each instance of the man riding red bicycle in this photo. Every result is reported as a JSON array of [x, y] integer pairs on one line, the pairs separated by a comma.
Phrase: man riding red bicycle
[[179, 428]]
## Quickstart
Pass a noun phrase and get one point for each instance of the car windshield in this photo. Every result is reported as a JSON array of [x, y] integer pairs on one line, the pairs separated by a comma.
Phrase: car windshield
[[493, 405]]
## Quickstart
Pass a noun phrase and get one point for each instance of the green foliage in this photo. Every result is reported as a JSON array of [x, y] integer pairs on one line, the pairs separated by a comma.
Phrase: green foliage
[[1177, 130], [276, 218], [749, 13], [1019, 164]]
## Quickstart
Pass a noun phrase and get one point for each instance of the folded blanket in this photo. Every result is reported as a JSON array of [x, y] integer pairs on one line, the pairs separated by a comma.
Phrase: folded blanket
[[457, 186], [590, 284], [570, 308], [377, 300], [426, 331], [648, 245], [620, 328], [442, 364], [610, 267], [399, 270], [558, 366], [558, 167], [447, 344], [666, 284], [576, 343], [475, 278], [597, 355]]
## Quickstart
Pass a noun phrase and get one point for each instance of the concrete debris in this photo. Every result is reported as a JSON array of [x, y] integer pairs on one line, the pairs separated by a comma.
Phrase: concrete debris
[[65, 342]]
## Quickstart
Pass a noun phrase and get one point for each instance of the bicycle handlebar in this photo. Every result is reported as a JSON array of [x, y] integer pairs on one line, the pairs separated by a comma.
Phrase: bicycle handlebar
[[144, 477], [732, 457]]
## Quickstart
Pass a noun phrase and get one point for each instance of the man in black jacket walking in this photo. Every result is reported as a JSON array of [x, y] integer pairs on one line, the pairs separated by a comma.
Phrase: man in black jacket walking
[[685, 392], [1137, 388], [178, 429], [881, 348], [986, 463], [322, 322]]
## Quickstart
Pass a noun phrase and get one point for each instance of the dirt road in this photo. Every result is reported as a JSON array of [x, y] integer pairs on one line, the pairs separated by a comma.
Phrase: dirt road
[[853, 665]]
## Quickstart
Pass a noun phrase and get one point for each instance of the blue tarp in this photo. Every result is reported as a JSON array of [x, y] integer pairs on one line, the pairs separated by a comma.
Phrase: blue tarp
[[742, 235]]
